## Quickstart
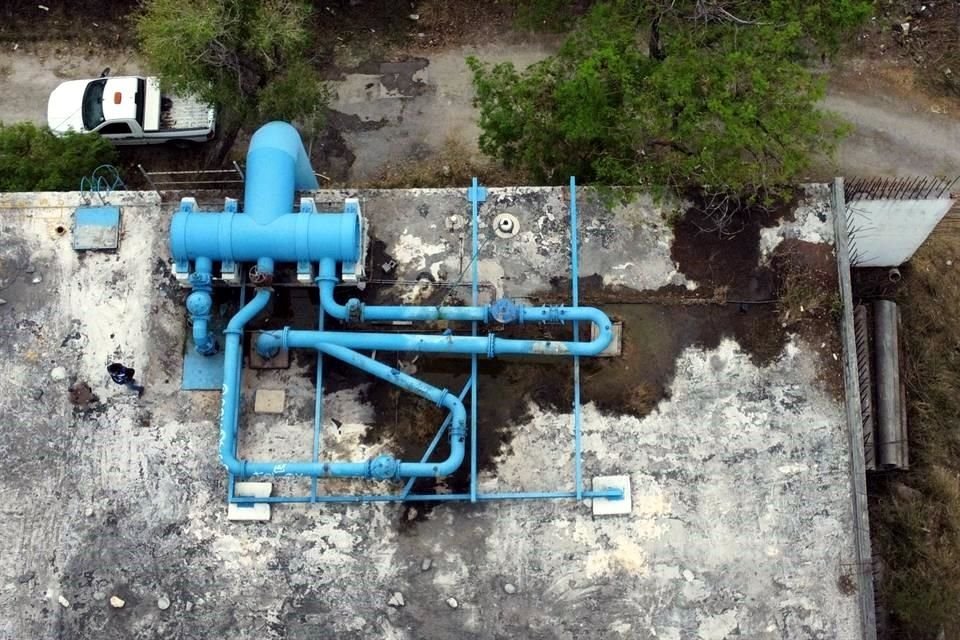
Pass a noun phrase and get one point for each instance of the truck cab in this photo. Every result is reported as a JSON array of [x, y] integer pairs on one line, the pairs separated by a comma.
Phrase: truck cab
[[129, 110]]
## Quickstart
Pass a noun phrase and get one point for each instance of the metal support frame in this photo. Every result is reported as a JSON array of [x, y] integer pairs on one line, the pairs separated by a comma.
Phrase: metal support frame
[[476, 195]]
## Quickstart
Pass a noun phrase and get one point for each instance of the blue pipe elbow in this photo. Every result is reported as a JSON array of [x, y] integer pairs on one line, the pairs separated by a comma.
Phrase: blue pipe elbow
[[356, 311], [232, 376], [277, 167], [458, 425]]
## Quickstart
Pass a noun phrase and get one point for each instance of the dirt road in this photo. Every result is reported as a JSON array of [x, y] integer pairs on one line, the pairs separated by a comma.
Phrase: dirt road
[[391, 112], [898, 129], [29, 73]]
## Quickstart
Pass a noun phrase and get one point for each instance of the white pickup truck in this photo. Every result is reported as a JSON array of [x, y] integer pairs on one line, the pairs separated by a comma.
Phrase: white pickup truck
[[129, 110]]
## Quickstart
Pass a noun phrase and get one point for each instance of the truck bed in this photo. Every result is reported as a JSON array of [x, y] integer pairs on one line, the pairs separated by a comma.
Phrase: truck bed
[[171, 112], [183, 113]]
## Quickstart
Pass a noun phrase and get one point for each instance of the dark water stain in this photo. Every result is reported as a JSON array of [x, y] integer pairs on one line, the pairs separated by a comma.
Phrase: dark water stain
[[352, 122], [330, 154], [727, 259]]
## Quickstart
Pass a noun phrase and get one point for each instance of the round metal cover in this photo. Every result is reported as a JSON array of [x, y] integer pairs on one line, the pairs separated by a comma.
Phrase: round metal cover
[[506, 225]]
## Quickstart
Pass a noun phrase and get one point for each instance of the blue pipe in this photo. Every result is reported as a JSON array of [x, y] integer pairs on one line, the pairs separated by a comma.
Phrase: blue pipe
[[200, 307], [382, 467], [291, 237], [232, 377], [268, 231], [277, 167], [356, 311], [609, 494], [270, 342], [474, 195], [575, 284]]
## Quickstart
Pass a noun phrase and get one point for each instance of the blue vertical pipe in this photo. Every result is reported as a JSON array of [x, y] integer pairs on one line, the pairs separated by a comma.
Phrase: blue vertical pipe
[[277, 166], [243, 302], [475, 212], [575, 283], [232, 377], [317, 408], [200, 307]]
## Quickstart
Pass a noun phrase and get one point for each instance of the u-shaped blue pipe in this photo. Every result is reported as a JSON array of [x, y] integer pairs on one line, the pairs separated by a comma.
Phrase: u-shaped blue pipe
[[384, 467]]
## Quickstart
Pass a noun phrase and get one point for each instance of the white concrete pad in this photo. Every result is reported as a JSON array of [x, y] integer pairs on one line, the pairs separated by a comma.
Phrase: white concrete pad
[[615, 348], [269, 401], [253, 511], [612, 507]]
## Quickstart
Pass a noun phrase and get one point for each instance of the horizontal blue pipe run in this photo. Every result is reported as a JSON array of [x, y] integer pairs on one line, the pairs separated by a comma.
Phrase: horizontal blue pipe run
[[359, 312], [610, 494], [290, 237], [270, 342], [277, 166]]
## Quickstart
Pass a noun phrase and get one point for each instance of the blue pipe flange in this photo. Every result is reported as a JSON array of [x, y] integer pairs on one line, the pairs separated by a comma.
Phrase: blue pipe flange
[[354, 310], [505, 311], [384, 467]]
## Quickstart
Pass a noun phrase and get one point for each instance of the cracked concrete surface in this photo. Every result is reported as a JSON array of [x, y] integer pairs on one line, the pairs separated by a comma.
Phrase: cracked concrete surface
[[741, 524]]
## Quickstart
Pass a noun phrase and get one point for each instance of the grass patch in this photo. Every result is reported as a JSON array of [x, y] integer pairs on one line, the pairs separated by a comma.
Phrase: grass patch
[[915, 516], [454, 165], [806, 286]]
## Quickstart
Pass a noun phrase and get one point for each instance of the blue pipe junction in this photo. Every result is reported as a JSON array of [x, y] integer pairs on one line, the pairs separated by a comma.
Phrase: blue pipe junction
[[270, 232]]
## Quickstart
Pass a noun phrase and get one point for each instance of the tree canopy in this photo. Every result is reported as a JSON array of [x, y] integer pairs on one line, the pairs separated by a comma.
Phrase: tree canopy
[[33, 159], [677, 94], [251, 58]]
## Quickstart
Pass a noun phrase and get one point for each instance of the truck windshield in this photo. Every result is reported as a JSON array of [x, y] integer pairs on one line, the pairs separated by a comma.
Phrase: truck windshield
[[93, 104]]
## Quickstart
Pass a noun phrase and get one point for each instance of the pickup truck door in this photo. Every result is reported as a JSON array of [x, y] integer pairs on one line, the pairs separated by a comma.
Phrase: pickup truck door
[[120, 130]]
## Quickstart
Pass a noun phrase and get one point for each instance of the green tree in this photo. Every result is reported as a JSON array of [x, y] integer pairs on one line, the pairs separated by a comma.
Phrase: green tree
[[250, 58], [675, 94], [33, 159]]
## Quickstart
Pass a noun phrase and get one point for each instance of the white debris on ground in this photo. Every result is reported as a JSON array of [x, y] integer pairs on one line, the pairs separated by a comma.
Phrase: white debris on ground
[[809, 222]]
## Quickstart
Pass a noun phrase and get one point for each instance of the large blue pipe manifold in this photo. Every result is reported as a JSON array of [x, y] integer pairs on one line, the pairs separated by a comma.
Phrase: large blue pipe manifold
[[269, 231]]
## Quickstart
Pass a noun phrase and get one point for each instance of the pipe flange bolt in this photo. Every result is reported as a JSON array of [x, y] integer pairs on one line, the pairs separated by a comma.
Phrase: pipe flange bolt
[[199, 280]]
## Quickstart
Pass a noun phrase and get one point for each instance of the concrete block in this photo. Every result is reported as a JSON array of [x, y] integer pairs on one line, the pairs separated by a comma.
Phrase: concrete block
[[269, 401], [612, 507], [251, 511], [615, 348]]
